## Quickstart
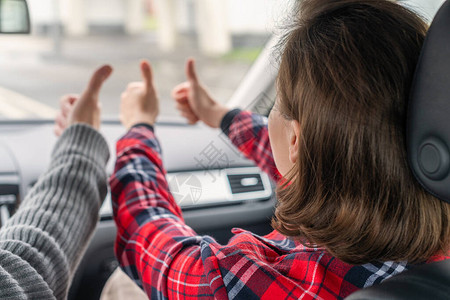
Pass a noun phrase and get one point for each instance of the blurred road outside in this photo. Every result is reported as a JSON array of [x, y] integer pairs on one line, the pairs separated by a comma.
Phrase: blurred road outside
[[225, 36], [33, 78]]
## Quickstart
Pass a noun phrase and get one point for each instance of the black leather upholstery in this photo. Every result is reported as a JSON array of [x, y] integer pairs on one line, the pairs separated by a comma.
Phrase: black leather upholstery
[[431, 281], [428, 132]]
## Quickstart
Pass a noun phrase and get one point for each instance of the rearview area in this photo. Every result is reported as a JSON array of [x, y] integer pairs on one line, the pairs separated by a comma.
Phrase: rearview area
[[14, 18]]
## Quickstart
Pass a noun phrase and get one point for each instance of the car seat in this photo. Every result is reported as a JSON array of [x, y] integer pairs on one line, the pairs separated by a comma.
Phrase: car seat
[[428, 144]]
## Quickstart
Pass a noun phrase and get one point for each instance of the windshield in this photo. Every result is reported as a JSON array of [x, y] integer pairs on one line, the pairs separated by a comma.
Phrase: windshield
[[70, 38], [426, 8]]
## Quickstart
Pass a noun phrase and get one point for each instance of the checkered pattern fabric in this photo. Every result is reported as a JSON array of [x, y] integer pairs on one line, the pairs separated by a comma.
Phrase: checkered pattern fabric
[[169, 260]]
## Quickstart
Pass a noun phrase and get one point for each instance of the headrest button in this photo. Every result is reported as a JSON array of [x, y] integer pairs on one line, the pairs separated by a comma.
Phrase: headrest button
[[434, 159]]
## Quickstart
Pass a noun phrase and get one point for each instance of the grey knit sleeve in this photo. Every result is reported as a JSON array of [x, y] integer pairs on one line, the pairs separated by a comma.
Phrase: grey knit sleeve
[[41, 245]]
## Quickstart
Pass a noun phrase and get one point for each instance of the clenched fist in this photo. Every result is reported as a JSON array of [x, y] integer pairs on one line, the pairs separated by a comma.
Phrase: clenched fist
[[139, 102]]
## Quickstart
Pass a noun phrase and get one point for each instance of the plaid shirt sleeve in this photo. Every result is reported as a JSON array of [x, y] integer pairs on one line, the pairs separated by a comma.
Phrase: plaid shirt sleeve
[[154, 246], [249, 133]]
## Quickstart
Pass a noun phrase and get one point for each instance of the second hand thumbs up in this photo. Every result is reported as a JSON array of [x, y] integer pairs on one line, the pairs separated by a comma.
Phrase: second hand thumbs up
[[139, 102]]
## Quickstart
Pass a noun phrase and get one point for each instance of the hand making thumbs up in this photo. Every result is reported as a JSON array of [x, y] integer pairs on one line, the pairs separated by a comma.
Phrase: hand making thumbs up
[[139, 102], [85, 108], [195, 103]]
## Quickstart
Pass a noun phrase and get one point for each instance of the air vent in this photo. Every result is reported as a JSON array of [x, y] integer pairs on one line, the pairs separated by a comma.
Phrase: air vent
[[219, 187], [9, 195], [245, 183]]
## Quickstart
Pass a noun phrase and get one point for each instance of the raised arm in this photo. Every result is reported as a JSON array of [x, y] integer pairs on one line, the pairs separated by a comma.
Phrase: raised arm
[[154, 246], [41, 245], [247, 131]]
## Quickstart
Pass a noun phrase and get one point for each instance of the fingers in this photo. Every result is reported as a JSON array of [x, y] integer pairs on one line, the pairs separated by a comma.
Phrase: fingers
[[72, 98], [184, 107], [61, 121], [66, 104], [181, 91], [60, 124], [97, 80], [192, 119], [147, 74], [191, 74], [187, 112], [57, 131]]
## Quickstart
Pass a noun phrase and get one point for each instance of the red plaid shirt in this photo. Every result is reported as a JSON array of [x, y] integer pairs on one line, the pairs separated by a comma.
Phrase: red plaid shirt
[[169, 260]]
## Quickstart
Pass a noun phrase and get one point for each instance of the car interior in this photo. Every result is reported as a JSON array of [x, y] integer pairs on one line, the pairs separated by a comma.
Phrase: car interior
[[233, 192]]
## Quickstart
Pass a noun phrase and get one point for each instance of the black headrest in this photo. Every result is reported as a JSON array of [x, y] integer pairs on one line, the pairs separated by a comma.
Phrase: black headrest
[[428, 128], [430, 281]]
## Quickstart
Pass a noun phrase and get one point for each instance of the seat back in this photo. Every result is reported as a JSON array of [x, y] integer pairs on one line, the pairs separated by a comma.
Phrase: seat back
[[430, 281], [428, 143], [428, 126]]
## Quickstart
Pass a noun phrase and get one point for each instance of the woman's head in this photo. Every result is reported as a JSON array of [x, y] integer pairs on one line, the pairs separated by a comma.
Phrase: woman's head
[[338, 134]]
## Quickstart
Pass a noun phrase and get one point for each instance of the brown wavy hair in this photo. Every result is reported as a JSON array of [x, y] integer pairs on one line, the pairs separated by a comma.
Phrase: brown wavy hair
[[345, 75]]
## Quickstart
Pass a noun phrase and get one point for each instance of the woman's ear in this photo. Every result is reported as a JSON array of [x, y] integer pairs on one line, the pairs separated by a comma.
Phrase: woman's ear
[[294, 140]]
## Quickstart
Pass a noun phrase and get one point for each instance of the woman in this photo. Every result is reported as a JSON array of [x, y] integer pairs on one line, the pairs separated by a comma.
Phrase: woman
[[350, 213]]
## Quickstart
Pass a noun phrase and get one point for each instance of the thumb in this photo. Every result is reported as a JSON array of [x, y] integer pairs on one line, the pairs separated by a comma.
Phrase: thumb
[[97, 79], [191, 74], [147, 74]]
